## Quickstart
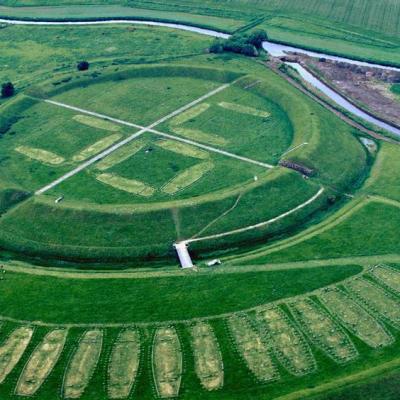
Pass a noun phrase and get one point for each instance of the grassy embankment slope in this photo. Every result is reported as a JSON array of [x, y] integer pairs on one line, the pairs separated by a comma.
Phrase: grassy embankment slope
[[366, 226]]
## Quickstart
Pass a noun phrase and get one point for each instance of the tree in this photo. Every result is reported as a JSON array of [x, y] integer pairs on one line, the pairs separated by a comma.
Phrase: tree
[[257, 38], [249, 50], [240, 43], [216, 47], [235, 44], [83, 66], [7, 89]]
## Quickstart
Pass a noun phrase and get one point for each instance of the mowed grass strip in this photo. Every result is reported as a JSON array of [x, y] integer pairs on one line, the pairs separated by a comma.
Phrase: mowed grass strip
[[167, 362], [323, 331], [124, 364], [82, 365], [288, 343], [183, 149], [40, 155], [41, 362], [200, 136], [376, 299], [190, 114], [13, 349], [244, 109], [355, 318], [252, 348], [97, 147], [120, 155], [127, 185], [96, 123], [187, 177], [207, 356], [387, 276]]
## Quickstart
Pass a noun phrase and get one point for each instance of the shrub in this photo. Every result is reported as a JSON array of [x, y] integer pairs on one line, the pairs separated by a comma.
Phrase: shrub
[[217, 47], [249, 50], [83, 66], [257, 37], [7, 89]]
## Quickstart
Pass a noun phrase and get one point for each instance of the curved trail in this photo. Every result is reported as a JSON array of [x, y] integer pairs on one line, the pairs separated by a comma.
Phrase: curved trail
[[260, 224], [365, 261]]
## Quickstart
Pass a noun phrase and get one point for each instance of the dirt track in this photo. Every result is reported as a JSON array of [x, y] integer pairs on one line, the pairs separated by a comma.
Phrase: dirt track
[[369, 88]]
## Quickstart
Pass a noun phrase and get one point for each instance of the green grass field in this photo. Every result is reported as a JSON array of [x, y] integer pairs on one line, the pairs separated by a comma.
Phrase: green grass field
[[359, 28], [395, 89], [94, 305]]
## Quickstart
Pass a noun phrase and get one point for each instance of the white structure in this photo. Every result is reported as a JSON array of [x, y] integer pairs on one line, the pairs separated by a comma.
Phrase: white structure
[[183, 254], [215, 262]]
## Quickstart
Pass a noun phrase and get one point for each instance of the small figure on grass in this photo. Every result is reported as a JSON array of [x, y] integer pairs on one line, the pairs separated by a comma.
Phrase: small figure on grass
[[7, 89], [83, 66]]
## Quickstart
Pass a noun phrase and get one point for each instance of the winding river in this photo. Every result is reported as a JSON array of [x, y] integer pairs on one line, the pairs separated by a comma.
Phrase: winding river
[[274, 49]]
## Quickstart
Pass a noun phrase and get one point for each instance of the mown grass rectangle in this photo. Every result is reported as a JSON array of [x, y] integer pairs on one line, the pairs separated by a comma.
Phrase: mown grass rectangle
[[323, 331], [97, 123], [355, 318], [124, 364], [82, 365], [252, 348], [41, 363], [13, 349], [167, 362], [183, 149], [207, 356], [289, 345], [96, 148], [120, 155], [376, 299], [387, 276], [40, 155], [128, 185], [187, 177], [244, 109], [190, 114]]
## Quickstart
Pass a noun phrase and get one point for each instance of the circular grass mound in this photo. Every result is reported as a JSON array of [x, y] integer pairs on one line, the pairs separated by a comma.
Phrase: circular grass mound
[[124, 164]]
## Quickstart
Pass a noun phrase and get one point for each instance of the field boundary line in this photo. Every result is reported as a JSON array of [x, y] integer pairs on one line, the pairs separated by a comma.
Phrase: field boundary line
[[223, 269], [386, 200], [125, 141], [260, 224]]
